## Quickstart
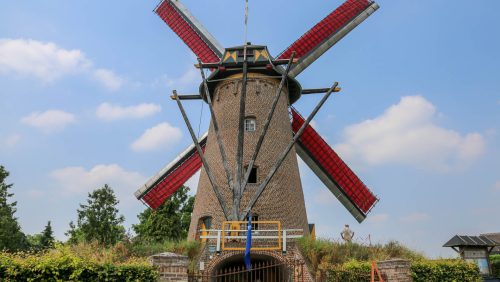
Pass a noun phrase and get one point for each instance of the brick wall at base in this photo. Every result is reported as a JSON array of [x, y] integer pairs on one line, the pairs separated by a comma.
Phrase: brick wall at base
[[396, 270], [172, 267]]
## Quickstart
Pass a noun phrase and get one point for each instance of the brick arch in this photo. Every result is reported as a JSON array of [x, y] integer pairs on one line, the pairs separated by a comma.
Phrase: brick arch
[[218, 260]]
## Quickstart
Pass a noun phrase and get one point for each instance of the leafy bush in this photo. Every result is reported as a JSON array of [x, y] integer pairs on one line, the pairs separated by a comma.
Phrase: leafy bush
[[64, 264], [495, 265], [422, 270], [352, 271], [321, 253], [445, 271]]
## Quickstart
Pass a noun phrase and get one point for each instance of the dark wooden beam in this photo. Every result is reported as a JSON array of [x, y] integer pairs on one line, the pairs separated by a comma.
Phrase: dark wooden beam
[[200, 65], [304, 92], [215, 124], [318, 90], [266, 124], [190, 97], [211, 177], [241, 138]]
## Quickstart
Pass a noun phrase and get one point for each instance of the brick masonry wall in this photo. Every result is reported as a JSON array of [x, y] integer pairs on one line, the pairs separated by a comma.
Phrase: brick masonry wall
[[283, 198], [292, 259], [396, 270], [172, 267]]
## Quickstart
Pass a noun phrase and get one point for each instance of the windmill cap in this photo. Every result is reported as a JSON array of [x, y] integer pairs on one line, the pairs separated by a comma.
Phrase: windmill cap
[[258, 62]]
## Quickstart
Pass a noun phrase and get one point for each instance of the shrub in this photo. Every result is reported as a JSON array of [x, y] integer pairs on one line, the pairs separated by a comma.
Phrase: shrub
[[322, 253], [445, 271], [352, 271], [422, 270], [495, 265], [63, 264]]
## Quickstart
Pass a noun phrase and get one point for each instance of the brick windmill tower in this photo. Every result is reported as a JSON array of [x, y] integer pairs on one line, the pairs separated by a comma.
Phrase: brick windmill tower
[[248, 157]]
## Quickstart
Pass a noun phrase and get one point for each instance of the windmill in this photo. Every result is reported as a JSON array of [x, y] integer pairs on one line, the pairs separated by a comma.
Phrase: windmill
[[249, 153]]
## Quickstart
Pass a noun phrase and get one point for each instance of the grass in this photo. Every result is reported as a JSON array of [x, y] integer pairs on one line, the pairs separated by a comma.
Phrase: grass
[[323, 253]]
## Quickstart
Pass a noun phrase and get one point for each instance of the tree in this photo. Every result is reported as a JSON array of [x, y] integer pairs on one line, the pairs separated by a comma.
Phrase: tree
[[34, 241], [169, 222], [98, 220], [11, 236], [47, 239]]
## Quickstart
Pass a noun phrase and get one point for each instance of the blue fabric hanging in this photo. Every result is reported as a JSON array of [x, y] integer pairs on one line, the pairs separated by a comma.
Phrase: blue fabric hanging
[[249, 243]]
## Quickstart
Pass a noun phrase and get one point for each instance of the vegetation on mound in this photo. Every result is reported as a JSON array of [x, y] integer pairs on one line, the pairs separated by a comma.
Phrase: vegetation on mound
[[323, 253]]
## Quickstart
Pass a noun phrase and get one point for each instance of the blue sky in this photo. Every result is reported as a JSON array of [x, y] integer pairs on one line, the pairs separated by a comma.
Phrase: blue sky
[[85, 87]]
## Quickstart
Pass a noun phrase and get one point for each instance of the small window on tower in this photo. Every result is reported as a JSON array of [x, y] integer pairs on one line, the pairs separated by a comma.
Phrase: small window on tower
[[207, 222], [250, 124], [252, 178], [255, 220]]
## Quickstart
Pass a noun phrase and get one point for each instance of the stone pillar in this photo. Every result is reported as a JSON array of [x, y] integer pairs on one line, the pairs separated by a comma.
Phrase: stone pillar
[[395, 270], [171, 267]]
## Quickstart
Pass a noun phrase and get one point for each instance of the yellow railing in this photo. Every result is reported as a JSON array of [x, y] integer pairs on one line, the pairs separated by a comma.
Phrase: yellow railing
[[234, 231]]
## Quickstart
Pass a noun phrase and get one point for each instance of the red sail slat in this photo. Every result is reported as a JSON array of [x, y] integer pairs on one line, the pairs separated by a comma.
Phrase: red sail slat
[[334, 167], [326, 28], [187, 32]]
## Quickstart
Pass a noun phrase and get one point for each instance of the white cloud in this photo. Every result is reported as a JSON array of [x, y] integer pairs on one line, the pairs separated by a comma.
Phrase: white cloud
[[109, 112], [406, 133], [49, 121], [77, 180], [377, 218], [109, 79], [415, 217], [45, 61], [48, 62], [160, 136], [189, 80]]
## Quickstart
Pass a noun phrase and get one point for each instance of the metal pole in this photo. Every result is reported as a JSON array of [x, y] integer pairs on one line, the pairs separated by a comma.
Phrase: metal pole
[[211, 177], [218, 241], [241, 138], [266, 125], [285, 153], [284, 242], [216, 130]]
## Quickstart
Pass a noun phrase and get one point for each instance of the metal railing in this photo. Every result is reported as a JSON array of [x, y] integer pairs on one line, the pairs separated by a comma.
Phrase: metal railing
[[264, 271], [262, 239]]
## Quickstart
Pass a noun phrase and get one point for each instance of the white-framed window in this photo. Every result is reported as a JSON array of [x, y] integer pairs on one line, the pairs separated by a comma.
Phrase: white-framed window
[[250, 124]]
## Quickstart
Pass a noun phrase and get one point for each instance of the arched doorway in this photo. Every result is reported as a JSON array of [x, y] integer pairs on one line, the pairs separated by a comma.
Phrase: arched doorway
[[264, 268]]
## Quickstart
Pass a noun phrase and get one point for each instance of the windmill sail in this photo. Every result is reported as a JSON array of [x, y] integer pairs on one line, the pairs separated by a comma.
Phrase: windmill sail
[[171, 177], [311, 148], [327, 32], [332, 171], [196, 37]]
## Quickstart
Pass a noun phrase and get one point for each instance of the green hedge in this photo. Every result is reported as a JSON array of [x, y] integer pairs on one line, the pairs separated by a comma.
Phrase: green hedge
[[352, 271], [444, 271], [495, 265], [425, 270], [68, 267]]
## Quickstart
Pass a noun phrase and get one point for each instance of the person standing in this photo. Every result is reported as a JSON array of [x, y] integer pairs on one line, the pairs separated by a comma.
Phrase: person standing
[[347, 234]]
